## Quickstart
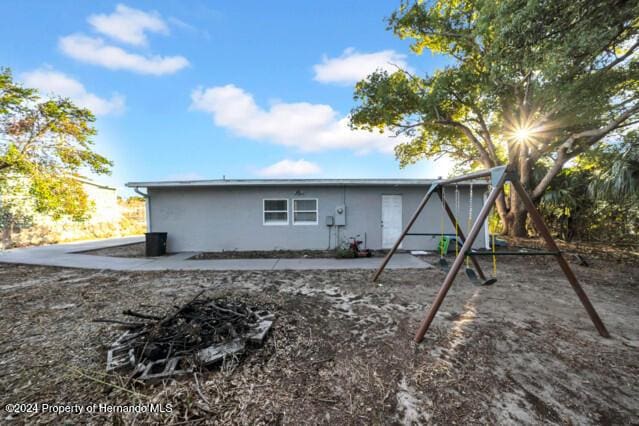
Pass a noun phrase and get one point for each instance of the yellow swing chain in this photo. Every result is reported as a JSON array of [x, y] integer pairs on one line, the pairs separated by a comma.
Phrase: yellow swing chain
[[441, 240], [494, 258], [492, 236], [456, 222]]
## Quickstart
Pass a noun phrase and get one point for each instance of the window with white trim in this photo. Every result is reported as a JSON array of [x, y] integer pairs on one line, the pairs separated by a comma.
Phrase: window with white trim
[[276, 212], [305, 211]]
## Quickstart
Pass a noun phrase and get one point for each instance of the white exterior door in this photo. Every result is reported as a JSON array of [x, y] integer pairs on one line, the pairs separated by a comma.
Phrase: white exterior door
[[391, 219]]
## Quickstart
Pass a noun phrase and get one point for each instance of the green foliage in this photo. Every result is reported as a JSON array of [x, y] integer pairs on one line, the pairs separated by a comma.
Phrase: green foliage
[[616, 177], [565, 203], [573, 213], [566, 73], [598, 197], [60, 196], [344, 253], [16, 209], [47, 142], [344, 250]]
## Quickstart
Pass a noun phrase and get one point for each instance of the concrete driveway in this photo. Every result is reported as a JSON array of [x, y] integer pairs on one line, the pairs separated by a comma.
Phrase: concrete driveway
[[67, 255]]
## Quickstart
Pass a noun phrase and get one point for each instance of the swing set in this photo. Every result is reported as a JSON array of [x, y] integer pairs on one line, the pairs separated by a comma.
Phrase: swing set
[[497, 176], [444, 241]]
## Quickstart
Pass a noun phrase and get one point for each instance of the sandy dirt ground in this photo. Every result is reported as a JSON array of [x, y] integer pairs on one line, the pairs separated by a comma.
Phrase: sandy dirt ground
[[522, 351]]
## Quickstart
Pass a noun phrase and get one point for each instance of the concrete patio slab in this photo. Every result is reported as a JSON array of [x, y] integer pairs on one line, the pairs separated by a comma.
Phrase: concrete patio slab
[[70, 255]]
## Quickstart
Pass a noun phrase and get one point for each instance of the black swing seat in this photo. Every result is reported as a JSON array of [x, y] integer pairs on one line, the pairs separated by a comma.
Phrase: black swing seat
[[472, 276], [470, 273], [443, 264]]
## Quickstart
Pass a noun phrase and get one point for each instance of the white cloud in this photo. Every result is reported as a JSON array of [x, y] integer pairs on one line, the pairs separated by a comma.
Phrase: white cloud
[[95, 51], [129, 25], [302, 125], [185, 26], [290, 168], [352, 66], [50, 82]]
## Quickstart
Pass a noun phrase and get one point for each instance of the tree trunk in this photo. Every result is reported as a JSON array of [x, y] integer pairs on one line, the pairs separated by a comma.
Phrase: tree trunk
[[515, 223], [7, 231], [511, 209]]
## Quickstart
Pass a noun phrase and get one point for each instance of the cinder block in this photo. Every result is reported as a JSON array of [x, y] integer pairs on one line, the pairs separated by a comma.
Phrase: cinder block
[[217, 352], [264, 315], [260, 331], [119, 357], [164, 369], [124, 338]]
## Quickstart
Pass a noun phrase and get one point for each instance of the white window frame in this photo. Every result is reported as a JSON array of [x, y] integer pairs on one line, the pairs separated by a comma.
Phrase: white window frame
[[264, 211], [316, 211]]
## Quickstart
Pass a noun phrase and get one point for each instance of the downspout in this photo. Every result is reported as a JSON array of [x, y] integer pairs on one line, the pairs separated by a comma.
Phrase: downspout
[[147, 204]]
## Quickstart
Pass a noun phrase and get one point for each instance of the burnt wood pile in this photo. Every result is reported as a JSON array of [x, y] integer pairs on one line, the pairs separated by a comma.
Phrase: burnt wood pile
[[200, 333]]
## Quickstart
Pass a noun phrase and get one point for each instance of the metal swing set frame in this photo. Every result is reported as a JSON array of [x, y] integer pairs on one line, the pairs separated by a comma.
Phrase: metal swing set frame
[[498, 177]]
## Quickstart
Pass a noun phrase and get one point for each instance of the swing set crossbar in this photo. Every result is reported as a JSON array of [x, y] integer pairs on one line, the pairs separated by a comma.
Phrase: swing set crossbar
[[470, 176], [429, 234], [498, 176], [513, 253]]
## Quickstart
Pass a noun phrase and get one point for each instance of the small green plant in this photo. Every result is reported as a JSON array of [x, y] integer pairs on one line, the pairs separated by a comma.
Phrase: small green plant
[[344, 250], [344, 253]]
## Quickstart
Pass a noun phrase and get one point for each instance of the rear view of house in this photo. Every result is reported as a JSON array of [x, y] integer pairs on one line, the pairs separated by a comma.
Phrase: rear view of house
[[296, 214]]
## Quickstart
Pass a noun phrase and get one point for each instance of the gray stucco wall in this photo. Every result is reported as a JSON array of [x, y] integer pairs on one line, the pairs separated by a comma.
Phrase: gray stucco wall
[[231, 218]]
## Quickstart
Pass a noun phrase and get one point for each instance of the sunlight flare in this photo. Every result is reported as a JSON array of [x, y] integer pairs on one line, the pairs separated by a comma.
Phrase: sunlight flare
[[529, 128]]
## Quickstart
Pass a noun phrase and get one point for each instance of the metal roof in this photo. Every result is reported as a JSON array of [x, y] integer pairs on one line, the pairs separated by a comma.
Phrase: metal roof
[[97, 185], [289, 182]]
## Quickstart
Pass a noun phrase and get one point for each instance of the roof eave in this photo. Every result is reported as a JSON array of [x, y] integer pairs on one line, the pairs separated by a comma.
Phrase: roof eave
[[288, 182]]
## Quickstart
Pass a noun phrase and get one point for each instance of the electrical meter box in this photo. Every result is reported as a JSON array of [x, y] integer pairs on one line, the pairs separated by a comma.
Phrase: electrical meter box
[[340, 215]]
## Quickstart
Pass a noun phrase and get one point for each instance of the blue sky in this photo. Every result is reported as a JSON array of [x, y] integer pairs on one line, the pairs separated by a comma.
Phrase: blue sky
[[197, 89]]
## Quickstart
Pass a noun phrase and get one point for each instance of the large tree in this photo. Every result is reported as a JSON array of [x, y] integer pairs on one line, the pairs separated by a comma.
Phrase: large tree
[[531, 84], [45, 143], [596, 198]]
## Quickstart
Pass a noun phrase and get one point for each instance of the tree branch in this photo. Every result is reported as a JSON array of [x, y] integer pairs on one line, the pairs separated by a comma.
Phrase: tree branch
[[485, 158], [35, 136], [487, 137], [484, 134], [619, 59], [566, 151]]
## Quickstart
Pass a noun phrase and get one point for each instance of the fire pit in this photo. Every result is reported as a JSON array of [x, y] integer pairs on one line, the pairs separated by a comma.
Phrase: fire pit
[[200, 334]]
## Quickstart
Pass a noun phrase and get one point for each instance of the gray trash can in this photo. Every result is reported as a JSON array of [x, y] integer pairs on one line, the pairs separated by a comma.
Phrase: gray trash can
[[155, 243]]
